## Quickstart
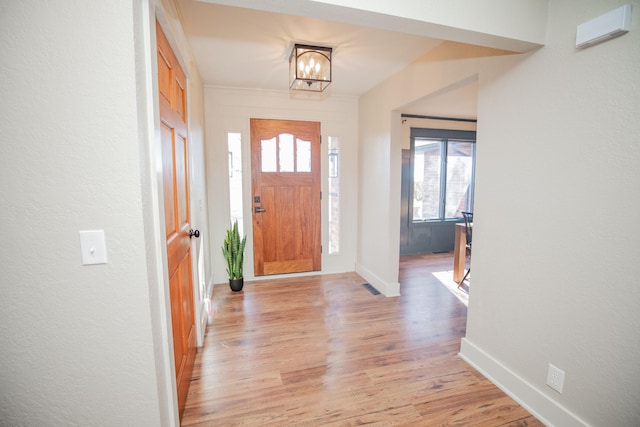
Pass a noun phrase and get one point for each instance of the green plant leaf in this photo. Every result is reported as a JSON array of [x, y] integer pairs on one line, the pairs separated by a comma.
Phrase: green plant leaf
[[233, 252]]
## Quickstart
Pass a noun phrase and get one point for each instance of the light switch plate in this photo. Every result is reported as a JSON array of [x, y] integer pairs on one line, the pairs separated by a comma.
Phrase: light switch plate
[[92, 244]]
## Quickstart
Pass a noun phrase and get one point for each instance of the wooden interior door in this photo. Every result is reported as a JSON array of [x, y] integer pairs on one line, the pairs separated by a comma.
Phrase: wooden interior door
[[173, 117], [285, 176]]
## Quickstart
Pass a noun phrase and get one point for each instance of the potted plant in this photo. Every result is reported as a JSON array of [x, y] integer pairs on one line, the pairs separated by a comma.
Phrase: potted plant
[[233, 251]]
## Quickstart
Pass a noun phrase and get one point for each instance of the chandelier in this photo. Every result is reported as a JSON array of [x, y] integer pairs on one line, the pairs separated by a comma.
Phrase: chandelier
[[310, 68]]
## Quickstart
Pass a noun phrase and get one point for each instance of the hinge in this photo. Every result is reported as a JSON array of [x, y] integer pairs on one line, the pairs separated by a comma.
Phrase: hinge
[[320, 248], [321, 195]]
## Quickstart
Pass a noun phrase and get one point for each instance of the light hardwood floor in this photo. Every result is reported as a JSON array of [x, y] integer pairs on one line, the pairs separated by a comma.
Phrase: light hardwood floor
[[324, 351]]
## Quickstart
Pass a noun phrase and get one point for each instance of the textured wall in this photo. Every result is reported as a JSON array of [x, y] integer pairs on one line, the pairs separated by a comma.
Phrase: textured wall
[[75, 341], [555, 255]]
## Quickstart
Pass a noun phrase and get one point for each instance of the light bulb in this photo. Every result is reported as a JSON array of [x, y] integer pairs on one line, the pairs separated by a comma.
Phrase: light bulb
[[312, 63], [318, 67]]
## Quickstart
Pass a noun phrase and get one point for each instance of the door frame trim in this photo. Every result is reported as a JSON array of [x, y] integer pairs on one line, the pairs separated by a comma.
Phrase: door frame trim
[[146, 13]]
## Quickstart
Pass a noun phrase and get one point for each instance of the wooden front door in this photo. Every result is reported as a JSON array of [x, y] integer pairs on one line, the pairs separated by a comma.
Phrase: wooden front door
[[285, 177], [173, 117]]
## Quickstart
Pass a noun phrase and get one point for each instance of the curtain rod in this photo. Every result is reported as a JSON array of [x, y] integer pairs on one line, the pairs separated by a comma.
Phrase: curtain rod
[[416, 116]]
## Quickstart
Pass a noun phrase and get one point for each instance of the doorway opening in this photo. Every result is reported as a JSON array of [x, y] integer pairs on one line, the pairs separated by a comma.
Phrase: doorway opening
[[438, 176]]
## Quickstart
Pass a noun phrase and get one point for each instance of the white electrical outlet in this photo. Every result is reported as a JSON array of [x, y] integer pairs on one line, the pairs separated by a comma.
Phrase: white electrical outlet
[[555, 378]]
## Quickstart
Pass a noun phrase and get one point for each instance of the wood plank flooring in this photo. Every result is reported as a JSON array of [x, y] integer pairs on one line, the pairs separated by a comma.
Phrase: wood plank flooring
[[324, 351]]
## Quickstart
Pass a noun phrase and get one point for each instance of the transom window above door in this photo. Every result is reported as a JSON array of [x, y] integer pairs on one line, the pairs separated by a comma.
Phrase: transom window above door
[[285, 153]]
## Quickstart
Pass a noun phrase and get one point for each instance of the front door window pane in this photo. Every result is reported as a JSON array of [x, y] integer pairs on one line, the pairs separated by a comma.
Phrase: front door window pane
[[303, 155], [268, 149], [286, 152]]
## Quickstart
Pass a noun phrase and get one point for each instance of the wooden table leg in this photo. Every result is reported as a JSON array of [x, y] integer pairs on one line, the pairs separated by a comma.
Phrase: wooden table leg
[[459, 253]]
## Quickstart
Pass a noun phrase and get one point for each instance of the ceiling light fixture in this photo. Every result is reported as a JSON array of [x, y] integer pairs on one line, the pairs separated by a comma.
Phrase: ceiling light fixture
[[310, 68]]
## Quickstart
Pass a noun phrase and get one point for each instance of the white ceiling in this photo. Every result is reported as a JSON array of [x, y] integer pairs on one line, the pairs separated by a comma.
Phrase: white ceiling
[[248, 48]]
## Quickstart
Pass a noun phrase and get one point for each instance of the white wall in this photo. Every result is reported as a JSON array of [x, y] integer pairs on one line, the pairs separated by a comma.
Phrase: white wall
[[85, 345], [517, 26], [229, 110], [203, 280], [555, 254], [555, 261], [377, 261], [76, 341]]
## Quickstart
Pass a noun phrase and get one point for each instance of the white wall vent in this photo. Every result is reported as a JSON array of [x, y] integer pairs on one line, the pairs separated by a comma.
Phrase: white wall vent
[[604, 27]]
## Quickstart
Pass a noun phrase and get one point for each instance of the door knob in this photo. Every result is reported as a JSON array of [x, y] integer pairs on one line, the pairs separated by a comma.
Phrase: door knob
[[194, 233], [258, 209]]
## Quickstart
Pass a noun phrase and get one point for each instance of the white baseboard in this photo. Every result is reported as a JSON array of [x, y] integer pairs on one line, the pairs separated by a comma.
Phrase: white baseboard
[[541, 406], [203, 310], [387, 289]]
